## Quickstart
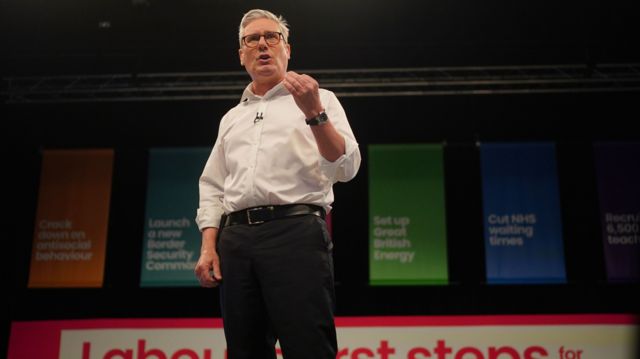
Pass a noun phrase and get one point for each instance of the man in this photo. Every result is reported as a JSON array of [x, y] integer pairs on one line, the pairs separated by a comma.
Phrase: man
[[270, 177]]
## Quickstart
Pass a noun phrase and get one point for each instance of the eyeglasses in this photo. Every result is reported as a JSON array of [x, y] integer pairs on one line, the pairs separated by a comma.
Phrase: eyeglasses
[[271, 38]]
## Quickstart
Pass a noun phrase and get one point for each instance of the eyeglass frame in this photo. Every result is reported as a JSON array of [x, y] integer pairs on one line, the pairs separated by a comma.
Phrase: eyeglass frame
[[280, 37]]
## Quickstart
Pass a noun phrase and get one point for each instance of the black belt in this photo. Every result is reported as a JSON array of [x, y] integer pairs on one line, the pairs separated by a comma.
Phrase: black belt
[[257, 215]]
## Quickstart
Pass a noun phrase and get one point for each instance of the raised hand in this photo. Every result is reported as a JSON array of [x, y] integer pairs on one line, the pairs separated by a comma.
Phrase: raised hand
[[304, 89]]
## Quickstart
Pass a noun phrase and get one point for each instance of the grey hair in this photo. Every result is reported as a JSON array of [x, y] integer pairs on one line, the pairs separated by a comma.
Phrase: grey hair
[[256, 14]]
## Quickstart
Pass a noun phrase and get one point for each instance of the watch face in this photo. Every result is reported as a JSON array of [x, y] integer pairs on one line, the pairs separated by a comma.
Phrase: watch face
[[322, 117]]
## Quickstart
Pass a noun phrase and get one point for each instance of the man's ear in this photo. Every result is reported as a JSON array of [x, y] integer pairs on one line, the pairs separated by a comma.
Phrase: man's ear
[[241, 56]]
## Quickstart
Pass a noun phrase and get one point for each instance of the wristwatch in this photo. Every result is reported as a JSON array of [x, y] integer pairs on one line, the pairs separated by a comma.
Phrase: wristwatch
[[321, 119]]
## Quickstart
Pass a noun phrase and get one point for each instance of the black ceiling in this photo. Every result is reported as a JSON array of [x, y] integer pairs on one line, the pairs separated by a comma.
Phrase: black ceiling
[[139, 36]]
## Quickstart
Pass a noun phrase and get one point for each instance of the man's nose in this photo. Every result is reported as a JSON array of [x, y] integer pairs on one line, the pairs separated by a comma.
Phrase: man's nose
[[262, 42]]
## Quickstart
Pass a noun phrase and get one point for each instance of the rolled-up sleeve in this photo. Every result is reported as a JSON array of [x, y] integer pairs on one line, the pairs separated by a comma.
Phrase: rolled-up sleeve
[[211, 187], [346, 166]]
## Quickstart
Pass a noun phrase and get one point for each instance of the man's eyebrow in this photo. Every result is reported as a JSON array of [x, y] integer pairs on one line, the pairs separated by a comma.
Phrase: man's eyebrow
[[261, 33]]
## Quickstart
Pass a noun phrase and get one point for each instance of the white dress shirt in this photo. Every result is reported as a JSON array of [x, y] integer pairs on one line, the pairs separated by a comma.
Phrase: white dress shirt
[[266, 154]]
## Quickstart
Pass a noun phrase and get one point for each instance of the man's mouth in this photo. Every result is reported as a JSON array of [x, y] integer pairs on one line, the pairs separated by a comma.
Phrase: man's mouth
[[264, 58]]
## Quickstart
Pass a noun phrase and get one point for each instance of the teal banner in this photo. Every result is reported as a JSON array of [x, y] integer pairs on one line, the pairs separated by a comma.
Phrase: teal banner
[[171, 236], [407, 232]]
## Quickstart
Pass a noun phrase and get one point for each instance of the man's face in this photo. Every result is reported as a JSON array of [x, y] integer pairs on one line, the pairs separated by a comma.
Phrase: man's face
[[265, 63]]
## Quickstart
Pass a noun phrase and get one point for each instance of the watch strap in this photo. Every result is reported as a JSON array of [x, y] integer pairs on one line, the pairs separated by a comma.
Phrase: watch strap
[[321, 119]]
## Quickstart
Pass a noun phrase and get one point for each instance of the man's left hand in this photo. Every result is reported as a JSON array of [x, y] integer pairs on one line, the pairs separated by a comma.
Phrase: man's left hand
[[304, 89]]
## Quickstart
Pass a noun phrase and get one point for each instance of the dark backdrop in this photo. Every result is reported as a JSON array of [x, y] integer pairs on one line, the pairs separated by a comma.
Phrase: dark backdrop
[[573, 121], [63, 37], [66, 36]]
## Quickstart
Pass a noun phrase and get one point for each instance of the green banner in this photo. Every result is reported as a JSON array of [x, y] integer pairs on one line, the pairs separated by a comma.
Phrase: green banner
[[171, 237], [407, 232]]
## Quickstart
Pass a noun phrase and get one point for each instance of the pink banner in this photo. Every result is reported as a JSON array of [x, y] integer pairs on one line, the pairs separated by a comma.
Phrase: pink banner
[[444, 337]]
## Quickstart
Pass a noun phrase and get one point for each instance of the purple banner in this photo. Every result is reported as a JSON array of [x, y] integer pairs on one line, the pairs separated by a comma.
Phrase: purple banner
[[618, 173]]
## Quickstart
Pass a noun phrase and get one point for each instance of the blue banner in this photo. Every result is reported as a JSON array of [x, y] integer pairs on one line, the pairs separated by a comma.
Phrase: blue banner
[[171, 237], [522, 221]]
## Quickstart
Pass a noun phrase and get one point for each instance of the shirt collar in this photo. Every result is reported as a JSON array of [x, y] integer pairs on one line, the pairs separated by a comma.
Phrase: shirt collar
[[277, 90]]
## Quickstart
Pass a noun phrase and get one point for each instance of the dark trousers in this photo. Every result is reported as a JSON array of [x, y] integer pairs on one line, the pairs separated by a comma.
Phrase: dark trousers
[[278, 284]]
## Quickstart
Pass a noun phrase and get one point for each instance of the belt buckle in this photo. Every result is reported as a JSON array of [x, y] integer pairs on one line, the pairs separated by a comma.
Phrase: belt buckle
[[255, 209]]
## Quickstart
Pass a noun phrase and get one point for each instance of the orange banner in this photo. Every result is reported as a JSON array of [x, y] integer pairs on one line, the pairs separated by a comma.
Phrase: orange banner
[[70, 234]]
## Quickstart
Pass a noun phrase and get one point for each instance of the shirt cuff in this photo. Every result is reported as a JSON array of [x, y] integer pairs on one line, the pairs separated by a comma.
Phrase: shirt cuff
[[342, 169], [209, 217]]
